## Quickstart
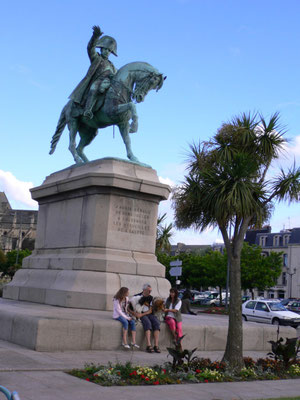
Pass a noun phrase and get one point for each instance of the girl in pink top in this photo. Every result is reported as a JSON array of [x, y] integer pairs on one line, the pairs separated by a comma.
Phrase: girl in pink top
[[121, 314]]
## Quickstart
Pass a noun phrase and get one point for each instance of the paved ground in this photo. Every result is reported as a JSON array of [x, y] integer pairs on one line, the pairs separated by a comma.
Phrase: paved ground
[[36, 375]]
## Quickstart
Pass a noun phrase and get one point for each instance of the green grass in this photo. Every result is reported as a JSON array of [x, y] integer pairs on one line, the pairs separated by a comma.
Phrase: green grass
[[283, 398]]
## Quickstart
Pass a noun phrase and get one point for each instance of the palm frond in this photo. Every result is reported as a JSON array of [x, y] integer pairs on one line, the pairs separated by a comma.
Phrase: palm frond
[[270, 140], [286, 186]]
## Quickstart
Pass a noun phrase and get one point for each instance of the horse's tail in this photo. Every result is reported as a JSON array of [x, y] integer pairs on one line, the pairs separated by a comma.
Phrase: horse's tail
[[62, 122]]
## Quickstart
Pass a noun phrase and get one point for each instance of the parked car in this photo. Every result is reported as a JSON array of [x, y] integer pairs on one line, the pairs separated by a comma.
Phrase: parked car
[[245, 298], [194, 294], [294, 306], [270, 312], [211, 299], [285, 302]]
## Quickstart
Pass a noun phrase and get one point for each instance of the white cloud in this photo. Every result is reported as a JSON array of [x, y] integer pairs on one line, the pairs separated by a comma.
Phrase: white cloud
[[166, 181], [174, 172], [16, 191]]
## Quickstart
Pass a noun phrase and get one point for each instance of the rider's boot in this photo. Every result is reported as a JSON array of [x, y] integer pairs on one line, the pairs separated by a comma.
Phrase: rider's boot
[[89, 105]]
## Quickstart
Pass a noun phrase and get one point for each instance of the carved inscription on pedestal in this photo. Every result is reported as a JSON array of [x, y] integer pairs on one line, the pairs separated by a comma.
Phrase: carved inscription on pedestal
[[131, 218]]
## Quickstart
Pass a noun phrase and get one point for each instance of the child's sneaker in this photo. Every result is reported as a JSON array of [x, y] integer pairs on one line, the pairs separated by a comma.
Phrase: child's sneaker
[[135, 345], [126, 346]]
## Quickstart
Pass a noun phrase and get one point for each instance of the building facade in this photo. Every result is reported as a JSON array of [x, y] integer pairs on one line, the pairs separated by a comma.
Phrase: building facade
[[17, 227], [286, 241]]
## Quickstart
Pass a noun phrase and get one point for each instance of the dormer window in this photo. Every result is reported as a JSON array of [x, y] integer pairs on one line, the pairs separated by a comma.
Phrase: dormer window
[[286, 239], [276, 240], [262, 241]]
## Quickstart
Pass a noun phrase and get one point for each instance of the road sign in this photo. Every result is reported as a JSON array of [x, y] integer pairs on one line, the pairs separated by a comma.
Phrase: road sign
[[175, 263], [176, 271]]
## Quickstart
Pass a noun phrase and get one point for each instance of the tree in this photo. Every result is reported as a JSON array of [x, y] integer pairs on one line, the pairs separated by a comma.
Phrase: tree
[[258, 271], [226, 187], [13, 262], [215, 269], [2, 262], [163, 235], [2, 258]]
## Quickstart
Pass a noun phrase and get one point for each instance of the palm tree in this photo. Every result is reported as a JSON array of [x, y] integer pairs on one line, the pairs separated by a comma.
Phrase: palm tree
[[226, 187], [163, 235]]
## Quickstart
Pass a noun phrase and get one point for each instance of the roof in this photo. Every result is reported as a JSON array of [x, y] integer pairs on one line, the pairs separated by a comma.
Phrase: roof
[[4, 203], [295, 236], [253, 237]]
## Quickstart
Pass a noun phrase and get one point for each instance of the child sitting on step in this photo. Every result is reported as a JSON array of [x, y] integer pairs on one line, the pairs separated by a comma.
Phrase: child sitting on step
[[120, 313]]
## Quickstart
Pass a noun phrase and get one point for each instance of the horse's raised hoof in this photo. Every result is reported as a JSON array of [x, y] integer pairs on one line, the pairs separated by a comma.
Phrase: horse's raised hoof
[[133, 127]]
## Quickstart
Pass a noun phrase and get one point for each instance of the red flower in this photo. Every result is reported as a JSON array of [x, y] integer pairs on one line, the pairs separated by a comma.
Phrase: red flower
[[146, 379], [87, 379], [164, 371], [119, 373], [198, 371], [156, 383], [205, 380], [134, 372], [142, 376]]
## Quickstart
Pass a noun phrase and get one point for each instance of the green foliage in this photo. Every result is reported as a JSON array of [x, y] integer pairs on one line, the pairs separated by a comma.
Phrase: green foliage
[[13, 262], [258, 271], [286, 353], [163, 235], [209, 269], [2, 258], [181, 356]]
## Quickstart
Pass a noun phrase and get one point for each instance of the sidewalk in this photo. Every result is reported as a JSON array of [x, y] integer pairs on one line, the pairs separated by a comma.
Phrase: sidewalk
[[35, 375]]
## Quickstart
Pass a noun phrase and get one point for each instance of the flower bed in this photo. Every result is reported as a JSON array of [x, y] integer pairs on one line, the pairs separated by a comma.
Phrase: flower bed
[[199, 370], [214, 310]]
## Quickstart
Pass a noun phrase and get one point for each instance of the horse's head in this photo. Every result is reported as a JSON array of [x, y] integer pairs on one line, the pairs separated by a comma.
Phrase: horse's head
[[147, 81]]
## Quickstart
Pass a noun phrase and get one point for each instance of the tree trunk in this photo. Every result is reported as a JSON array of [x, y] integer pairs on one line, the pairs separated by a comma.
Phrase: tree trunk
[[233, 355], [220, 293]]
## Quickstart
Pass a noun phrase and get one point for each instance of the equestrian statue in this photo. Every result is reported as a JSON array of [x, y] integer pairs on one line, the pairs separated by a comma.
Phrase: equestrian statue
[[105, 97]]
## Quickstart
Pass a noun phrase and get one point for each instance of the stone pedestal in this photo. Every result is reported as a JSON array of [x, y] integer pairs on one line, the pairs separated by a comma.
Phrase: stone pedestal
[[96, 233]]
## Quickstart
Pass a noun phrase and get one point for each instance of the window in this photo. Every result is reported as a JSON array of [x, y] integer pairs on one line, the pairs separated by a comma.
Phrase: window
[[286, 239], [285, 260], [251, 305], [276, 240], [284, 278], [262, 241], [261, 306]]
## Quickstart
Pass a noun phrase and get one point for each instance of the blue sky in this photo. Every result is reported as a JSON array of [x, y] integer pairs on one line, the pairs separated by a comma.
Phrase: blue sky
[[222, 57]]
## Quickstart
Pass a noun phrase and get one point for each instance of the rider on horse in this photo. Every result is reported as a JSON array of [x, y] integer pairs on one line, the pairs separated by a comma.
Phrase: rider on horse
[[92, 88]]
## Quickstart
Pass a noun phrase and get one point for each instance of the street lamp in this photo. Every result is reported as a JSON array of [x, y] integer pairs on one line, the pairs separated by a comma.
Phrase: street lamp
[[291, 280]]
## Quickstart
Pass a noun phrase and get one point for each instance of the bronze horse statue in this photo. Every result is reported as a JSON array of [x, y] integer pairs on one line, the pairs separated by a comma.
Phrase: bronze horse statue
[[131, 83]]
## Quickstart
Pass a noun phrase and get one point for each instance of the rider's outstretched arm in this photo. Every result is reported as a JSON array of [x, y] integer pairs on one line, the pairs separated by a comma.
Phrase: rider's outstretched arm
[[91, 49]]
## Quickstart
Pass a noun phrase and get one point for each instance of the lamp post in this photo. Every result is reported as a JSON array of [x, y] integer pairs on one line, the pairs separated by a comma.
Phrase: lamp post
[[291, 280]]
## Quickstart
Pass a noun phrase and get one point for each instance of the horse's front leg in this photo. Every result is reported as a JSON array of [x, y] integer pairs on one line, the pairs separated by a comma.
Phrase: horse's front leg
[[72, 125], [124, 130], [123, 108]]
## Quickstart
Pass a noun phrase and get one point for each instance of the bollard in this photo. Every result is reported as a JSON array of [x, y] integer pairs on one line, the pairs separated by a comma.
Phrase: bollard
[[9, 396]]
